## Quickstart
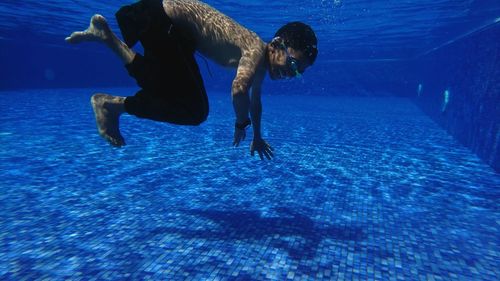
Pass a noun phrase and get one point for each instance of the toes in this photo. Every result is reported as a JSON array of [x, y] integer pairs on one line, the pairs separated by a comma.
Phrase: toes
[[117, 142], [79, 36], [75, 37]]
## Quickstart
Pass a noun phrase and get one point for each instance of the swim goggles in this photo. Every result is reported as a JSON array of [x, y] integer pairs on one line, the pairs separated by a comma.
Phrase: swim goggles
[[291, 62]]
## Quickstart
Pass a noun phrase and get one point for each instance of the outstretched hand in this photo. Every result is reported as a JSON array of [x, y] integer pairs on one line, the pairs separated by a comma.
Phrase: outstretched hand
[[262, 148]]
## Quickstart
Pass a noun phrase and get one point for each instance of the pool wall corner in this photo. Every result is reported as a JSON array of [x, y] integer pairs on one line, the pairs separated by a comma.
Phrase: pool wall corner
[[468, 69]]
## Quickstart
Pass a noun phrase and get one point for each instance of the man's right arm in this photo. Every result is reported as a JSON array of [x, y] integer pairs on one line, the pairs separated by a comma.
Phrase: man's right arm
[[245, 75]]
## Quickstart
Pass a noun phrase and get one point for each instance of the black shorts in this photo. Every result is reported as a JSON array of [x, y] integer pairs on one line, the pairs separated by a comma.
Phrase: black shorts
[[172, 88]]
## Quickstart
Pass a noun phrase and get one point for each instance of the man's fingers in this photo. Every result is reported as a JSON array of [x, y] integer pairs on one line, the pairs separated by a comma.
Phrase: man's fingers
[[266, 153], [260, 155], [268, 147], [270, 153]]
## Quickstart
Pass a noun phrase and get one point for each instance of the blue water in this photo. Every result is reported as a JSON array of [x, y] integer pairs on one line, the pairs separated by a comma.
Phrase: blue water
[[364, 185]]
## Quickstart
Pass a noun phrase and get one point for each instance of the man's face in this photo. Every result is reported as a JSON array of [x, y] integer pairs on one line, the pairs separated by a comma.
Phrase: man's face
[[286, 62]]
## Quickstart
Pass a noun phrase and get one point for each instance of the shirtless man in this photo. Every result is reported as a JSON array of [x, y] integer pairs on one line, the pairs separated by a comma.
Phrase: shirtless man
[[172, 89]]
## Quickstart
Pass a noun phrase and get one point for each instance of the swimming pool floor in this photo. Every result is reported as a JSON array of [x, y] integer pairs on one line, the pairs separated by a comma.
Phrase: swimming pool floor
[[360, 189]]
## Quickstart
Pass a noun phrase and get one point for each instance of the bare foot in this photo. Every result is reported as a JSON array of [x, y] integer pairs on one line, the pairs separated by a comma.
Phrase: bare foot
[[107, 110], [98, 30]]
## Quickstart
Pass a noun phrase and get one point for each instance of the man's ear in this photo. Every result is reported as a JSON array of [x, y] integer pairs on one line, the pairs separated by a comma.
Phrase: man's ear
[[277, 42]]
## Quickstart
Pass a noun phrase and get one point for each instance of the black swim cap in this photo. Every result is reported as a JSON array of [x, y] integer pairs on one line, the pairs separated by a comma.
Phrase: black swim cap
[[300, 36]]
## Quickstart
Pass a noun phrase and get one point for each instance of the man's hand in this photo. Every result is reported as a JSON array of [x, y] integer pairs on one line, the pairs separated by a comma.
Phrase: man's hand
[[262, 147], [239, 135]]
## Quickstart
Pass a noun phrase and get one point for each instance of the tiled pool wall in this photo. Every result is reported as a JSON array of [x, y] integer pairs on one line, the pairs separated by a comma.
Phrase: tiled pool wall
[[458, 86], [366, 77]]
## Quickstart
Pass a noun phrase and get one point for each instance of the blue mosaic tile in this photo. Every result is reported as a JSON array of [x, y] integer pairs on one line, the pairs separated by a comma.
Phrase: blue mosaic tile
[[381, 193]]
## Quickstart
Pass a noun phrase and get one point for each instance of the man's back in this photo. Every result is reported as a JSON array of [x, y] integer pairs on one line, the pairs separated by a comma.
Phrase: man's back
[[214, 34]]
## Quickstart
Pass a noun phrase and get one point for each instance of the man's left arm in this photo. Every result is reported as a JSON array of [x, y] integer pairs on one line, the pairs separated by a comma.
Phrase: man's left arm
[[258, 144], [256, 110]]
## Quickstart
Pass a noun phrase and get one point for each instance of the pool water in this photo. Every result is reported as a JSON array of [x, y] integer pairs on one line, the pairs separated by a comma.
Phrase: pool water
[[359, 189]]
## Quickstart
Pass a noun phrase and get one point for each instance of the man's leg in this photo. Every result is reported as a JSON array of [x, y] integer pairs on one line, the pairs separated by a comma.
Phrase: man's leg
[[107, 108], [99, 31]]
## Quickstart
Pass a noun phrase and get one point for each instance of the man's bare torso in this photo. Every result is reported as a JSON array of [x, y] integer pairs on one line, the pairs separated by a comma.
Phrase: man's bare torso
[[216, 36]]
